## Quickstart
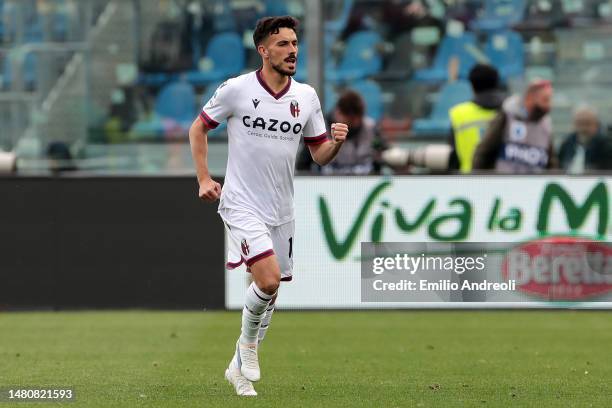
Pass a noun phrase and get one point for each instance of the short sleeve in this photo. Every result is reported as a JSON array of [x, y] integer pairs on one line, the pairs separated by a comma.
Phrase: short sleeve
[[219, 107], [314, 131]]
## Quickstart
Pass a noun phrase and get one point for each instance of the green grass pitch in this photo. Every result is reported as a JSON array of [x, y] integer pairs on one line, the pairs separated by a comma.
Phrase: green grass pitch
[[325, 359]]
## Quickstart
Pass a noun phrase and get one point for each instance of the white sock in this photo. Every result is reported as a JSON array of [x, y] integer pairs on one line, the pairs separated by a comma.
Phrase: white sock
[[255, 306], [265, 322]]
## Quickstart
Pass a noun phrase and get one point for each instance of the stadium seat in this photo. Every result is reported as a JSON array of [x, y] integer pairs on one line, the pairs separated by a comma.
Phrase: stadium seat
[[3, 67], [225, 56], [506, 52], [150, 126], [400, 62], [450, 47], [29, 71], [176, 101], [301, 74], [360, 59], [275, 8], [334, 28], [224, 17], [156, 79], [499, 15], [60, 23], [438, 122], [1, 21], [8, 21], [331, 98], [372, 95], [166, 120]]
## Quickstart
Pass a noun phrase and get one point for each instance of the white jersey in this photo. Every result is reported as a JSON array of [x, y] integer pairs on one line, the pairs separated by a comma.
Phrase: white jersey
[[264, 130]]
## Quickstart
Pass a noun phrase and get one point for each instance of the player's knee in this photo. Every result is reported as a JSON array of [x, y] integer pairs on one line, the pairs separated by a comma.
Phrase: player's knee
[[269, 285]]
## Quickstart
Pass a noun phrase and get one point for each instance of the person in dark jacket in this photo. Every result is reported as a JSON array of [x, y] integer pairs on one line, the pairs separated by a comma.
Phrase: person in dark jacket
[[519, 139], [470, 119], [587, 148], [360, 153]]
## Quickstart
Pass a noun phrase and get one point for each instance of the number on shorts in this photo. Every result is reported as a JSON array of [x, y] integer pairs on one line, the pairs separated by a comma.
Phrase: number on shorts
[[290, 247]]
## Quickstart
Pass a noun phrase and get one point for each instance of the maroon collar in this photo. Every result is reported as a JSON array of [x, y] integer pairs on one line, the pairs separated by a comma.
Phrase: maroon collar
[[265, 86]]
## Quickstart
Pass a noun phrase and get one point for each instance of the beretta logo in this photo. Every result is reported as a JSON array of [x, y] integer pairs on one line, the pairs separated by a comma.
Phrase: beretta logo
[[561, 268]]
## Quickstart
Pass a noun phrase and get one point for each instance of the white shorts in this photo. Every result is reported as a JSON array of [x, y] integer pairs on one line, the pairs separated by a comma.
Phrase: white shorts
[[250, 239]]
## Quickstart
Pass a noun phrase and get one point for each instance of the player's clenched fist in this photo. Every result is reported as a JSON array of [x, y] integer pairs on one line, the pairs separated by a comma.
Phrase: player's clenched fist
[[339, 132], [210, 190]]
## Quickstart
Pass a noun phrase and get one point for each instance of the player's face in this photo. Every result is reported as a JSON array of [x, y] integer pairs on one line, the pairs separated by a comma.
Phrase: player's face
[[281, 50]]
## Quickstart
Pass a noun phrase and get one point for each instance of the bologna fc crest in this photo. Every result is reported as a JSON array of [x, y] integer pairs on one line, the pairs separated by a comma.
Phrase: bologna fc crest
[[245, 247], [294, 108]]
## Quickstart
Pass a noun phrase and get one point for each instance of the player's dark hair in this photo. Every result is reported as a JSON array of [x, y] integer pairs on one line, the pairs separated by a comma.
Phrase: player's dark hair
[[270, 25], [351, 103], [483, 78]]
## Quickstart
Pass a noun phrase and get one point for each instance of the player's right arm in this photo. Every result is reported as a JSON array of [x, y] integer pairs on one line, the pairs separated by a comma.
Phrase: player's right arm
[[216, 110], [209, 190]]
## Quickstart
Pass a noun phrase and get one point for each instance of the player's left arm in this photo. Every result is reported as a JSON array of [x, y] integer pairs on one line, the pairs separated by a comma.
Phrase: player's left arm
[[325, 152]]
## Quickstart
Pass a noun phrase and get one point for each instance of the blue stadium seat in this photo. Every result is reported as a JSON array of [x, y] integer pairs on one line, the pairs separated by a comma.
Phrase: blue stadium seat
[[156, 79], [450, 47], [8, 19], [301, 74], [4, 67], [30, 72], [176, 101], [34, 33], [331, 97], [372, 95], [438, 122], [499, 15], [506, 52], [227, 56], [172, 116], [301, 71], [334, 28], [150, 126], [1, 21], [60, 24], [360, 59], [276, 8], [224, 17]]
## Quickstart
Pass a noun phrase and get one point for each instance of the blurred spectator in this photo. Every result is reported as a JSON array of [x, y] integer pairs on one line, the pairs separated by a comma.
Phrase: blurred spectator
[[519, 138], [394, 16], [470, 119], [122, 115], [60, 158], [360, 152], [402, 16], [587, 148]]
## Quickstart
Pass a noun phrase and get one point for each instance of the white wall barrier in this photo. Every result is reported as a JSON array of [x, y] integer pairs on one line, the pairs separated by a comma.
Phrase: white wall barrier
[[335, 214]]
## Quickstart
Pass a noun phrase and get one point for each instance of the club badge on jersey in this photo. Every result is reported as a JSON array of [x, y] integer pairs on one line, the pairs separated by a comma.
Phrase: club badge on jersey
[[294, 108]]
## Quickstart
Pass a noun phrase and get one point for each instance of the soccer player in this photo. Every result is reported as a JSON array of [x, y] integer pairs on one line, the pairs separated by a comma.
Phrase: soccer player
[[267, 114]]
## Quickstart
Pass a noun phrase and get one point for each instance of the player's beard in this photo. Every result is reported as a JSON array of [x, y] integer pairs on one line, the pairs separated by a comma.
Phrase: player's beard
[[278, 68]]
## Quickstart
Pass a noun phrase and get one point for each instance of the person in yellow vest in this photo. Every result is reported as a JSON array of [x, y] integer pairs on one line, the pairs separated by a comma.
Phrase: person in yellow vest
[[470, 119]]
